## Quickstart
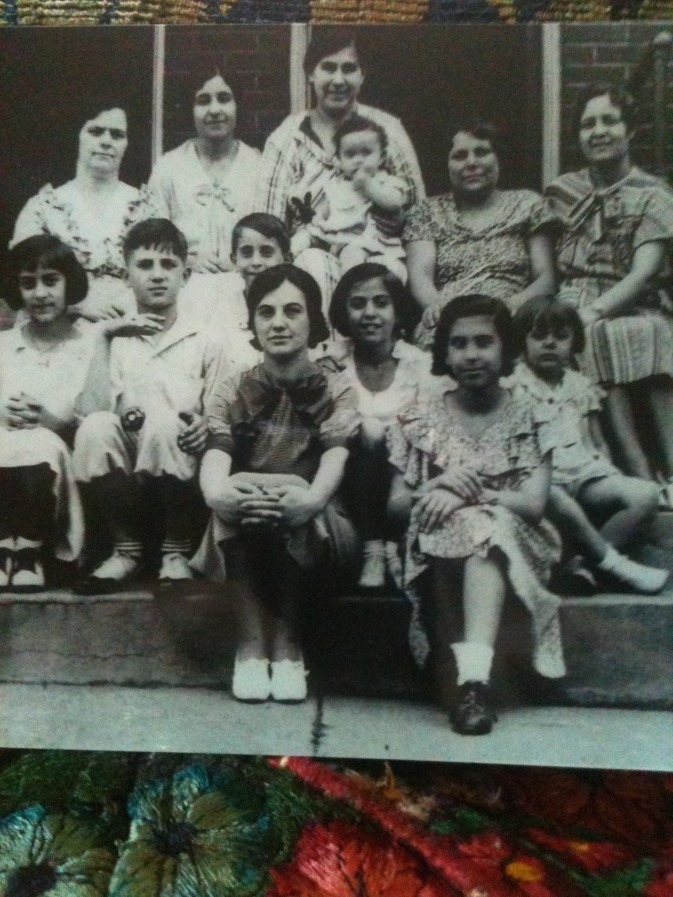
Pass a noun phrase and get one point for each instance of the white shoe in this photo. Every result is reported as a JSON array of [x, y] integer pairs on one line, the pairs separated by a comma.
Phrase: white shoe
[[288, 681], [175, 566], [251, 680], [27, 572], [648, 580], [373, 574], [119, 566]]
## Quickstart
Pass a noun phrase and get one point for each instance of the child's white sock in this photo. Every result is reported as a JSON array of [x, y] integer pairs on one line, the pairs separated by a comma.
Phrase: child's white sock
[[474, 661]]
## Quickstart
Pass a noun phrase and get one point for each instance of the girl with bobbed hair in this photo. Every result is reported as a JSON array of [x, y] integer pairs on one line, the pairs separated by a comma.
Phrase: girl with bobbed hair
[[614, 264], [473, 477], [279, 437], [43, 367], [375, 312]]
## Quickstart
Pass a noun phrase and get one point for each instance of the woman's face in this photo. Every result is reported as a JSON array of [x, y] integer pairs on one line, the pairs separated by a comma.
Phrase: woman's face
[[474, 352], [214, 110], [370, 313], [603, 135], [281, 322], [103, 141], [337, 80], [473, 165], [43, 291]]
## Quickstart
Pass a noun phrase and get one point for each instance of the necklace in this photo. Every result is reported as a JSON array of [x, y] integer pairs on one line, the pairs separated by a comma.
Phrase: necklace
[[43, 350]]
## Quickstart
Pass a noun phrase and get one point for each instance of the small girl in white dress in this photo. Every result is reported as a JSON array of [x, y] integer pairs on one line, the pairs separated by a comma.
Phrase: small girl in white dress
[[585, 484]]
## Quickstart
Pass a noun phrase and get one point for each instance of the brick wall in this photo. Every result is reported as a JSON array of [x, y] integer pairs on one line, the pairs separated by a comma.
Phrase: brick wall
[[256, 62], [593, 53]]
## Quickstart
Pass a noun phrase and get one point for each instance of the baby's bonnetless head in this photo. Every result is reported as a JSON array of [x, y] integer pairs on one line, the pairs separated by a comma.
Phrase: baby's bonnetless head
[[359, 142]]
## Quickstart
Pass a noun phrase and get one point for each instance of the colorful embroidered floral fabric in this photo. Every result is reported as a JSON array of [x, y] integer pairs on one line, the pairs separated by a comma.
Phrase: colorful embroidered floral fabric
[[205, 826]]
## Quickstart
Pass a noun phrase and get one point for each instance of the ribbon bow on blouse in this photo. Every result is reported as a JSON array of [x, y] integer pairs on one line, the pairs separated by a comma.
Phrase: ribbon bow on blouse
[[258, 398], [218, 192], [605, 207]]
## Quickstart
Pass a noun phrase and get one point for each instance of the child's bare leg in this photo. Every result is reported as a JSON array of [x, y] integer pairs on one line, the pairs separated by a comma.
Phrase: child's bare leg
[[570, 518], [483, 598], [635, 499], [661, 403], [623, 429]]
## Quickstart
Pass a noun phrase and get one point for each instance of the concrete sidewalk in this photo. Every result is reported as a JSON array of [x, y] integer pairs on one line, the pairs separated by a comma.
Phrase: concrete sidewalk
[[201, 720]]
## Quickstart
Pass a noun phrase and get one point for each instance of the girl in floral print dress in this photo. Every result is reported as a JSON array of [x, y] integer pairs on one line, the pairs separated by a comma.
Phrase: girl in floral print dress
[[474, 478]]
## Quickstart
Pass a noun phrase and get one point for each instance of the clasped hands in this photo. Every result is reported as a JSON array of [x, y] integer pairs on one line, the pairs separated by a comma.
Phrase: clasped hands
[[265, 506], [23, 412], [437, 499]]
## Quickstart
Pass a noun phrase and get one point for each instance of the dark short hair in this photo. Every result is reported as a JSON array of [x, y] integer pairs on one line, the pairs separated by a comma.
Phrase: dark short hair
[[470, 306], [356, 124], [407, 312], [183, 91], [268, 226], [481, 128], [619, 97], [156, 232], [50, 252], [268, 281], [545, 314], [326, 40]]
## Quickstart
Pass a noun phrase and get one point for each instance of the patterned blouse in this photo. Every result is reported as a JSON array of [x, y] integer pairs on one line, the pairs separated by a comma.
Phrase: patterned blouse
[[491, 258]]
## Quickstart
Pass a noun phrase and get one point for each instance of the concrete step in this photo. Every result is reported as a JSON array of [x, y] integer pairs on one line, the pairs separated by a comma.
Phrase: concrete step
[[619, 648]]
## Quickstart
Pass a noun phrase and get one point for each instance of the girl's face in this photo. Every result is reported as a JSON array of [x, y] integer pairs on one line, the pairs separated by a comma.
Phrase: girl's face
[[603, 133], [549, 351], [474, 352], [281, 322], [337, 80], [371, 313], [255, 253], [473, 165], [214, 110], [103, 141], [43, 290]]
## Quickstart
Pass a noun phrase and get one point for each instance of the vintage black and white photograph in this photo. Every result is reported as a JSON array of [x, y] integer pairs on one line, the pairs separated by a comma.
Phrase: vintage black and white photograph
[[336, 391]]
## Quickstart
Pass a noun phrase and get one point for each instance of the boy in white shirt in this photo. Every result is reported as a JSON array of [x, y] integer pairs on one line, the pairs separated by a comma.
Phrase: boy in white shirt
[[144, 420]]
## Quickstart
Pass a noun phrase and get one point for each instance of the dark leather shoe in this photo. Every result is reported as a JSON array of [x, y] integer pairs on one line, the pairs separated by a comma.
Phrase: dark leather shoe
[[472, 713]]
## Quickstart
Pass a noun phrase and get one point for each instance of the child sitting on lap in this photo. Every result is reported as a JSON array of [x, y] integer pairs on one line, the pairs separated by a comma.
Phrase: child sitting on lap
[[144, 407], [584, 482], [362, 206]]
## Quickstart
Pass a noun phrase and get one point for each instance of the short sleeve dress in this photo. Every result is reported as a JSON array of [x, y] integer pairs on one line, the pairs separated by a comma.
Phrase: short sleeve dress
[[601, 230], [428, 440], [266, 429], [492, 259], [561, 412]]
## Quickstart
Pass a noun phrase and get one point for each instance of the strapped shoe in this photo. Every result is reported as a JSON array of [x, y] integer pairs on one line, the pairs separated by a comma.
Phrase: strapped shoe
[[27, 571], [110, 575], [472, 713], [175, 567], [251, 681], [288, 681]]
